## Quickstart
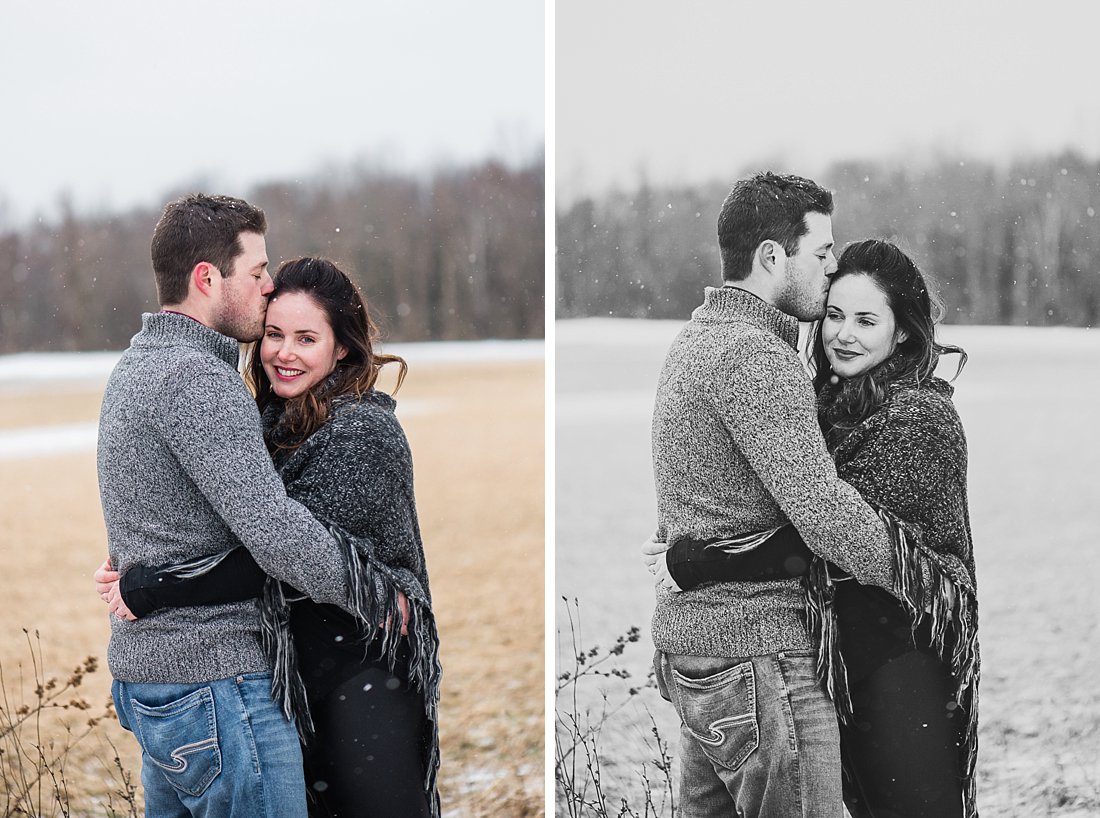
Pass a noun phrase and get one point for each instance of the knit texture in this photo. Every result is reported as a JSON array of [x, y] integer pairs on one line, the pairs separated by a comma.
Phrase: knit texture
[[737, 449], [909, 460], [356, 473], [910, 457], [183, 473]]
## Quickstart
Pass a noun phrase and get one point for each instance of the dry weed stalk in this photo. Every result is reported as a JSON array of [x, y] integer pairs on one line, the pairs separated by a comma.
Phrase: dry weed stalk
[[32, 760], [581, 783]]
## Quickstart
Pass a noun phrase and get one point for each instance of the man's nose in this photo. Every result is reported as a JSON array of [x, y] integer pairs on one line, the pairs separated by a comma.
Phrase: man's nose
[[266, 284]]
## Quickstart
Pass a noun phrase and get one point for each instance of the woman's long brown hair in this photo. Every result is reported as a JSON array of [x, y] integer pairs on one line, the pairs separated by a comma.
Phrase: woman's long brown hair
[[336, 295], [917, 310]]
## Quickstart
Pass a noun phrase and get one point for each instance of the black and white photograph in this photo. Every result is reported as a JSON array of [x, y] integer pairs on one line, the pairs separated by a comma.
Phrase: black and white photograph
[[826, 297]]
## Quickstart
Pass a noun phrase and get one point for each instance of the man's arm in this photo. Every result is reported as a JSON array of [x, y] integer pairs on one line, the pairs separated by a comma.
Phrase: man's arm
[[768, 407], [213, 429]]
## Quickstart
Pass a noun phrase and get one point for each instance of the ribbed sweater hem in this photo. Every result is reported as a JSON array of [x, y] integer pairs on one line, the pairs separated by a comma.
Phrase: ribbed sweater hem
[[161, 649], [732, 620]]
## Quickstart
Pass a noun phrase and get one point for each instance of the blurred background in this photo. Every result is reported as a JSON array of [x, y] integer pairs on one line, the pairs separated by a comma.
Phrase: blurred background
[[405, 141], [967, 132]]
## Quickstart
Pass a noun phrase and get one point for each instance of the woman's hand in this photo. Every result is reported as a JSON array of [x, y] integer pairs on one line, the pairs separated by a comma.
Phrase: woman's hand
[[106, 585], [105, 577], [403, 605]]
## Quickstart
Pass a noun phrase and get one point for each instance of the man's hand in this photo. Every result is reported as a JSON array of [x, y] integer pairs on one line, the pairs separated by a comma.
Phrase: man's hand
[[653, 551], [106, 585]]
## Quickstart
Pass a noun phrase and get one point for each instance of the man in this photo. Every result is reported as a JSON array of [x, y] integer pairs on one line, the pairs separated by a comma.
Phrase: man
[[737, 449], [183, 472]]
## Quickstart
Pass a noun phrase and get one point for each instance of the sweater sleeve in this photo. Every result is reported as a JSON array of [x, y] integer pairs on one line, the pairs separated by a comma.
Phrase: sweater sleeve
[[768, 407], [213, 429]]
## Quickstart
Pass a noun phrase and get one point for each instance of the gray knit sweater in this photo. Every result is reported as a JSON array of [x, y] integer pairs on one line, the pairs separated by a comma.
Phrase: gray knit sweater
[[183, 472], [737, 449]]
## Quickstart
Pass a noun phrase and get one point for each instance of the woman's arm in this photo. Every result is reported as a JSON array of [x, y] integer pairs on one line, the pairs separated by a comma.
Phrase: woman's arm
[[232, 576], [779, 555]]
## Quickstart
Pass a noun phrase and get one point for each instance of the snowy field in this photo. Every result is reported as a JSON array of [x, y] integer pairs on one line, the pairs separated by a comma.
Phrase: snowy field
[[1028, 400]]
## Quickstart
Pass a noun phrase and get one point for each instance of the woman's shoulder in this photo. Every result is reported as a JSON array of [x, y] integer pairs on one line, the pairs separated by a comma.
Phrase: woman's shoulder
[[926, 403], [372, 412], [924, 394]]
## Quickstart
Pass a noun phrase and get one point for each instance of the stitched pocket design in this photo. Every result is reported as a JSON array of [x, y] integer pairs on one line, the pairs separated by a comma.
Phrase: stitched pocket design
[[181, 739], [720, 711]]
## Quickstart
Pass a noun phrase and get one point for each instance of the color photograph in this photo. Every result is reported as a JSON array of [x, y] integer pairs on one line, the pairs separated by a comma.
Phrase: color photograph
[[272, 409]]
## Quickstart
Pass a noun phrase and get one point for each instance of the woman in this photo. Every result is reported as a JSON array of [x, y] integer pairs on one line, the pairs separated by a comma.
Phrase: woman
[[902, 668], [362, 683]]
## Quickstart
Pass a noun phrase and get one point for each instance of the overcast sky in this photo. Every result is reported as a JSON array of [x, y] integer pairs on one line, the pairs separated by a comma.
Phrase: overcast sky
[[697, 90], [117, 101]]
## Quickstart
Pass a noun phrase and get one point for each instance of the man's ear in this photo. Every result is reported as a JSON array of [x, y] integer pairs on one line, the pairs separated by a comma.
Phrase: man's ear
[[771, 255], [202, 276]]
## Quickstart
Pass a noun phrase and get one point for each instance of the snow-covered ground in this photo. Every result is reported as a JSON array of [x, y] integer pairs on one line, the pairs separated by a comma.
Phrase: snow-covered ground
[[1027, 399]]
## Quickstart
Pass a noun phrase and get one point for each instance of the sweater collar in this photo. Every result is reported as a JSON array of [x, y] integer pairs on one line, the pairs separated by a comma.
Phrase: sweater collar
[[159, 329], [732, 304]]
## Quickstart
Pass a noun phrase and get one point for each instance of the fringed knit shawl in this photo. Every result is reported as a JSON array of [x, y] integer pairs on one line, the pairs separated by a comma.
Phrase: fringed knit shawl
[[355, 474], [908, 460]]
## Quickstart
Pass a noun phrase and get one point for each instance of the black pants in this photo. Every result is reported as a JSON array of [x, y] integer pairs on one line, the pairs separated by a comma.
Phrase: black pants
[[901, 751], [368, 756]]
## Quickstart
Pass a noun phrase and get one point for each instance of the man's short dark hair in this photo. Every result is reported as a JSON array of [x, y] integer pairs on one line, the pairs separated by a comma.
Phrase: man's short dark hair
[[766, 206], [199, 228]]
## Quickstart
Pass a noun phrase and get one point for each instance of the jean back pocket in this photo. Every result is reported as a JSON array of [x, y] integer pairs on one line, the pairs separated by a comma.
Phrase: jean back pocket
[[181, 739], [720, 711]]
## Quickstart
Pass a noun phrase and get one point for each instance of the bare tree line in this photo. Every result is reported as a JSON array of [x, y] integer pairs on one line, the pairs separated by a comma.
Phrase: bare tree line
[[1015, 244], [452, 255]]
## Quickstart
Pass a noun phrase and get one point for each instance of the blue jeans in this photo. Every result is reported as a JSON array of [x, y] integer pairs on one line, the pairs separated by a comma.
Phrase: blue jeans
[[758, 736], [220, 749]]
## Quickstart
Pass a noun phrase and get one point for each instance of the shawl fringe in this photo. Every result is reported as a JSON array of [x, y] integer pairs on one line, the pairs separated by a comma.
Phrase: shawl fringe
[[372, 599], [928, 593]]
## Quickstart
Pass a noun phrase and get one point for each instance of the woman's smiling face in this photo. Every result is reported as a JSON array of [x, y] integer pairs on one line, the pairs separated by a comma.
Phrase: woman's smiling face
[[299, 349], [859, 330]]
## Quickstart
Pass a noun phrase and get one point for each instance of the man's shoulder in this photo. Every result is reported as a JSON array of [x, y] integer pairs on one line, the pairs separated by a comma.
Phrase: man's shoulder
[[733, 346], [743, 334], [168, 374]]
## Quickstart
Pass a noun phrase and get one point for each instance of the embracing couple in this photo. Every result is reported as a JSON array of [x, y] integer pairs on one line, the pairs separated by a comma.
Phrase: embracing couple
[[816, 612], [272, 640]]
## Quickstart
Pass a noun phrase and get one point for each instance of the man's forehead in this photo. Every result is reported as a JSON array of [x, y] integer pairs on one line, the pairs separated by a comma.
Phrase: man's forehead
[[819, 229], [253, 244]]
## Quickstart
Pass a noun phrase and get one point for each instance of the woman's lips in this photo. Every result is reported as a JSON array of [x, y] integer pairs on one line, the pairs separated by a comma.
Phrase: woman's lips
[[845, 354], [288, 374]]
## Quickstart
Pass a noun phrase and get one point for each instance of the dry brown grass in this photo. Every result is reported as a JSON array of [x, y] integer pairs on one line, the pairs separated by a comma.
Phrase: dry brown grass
[[477, 440]]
